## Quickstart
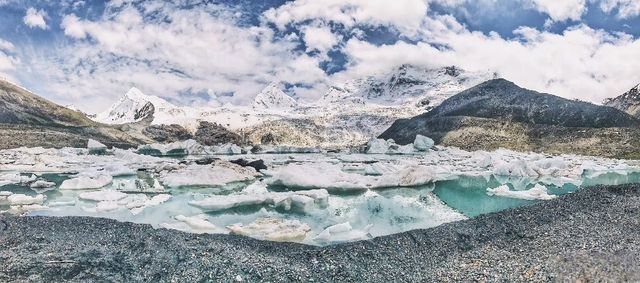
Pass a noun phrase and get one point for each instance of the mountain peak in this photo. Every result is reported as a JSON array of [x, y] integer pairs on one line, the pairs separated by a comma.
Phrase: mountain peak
[[272, 97], [133, 106], [628, 102]]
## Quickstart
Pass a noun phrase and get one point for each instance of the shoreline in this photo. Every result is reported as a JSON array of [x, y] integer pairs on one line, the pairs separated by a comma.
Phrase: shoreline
[[587, 235]]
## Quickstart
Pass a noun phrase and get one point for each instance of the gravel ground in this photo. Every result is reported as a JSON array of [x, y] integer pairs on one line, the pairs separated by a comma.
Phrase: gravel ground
[[591, 235]]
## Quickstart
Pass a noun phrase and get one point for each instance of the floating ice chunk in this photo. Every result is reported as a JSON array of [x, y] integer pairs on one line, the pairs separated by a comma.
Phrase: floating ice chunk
[[255, 188], [15, 178], [342, 232], [330, 177], [194, 224], [229, 148], [106, 206], [94, 144], [256, 194], [377, 146], [272, 229], [423, 143], [218, 174], [86, 182], [20, 199], [102, 196], [218, 203], [538, 192], [62, 202], [42, 184], [5, 193], [517, 168], [138, 206], [25, 209]]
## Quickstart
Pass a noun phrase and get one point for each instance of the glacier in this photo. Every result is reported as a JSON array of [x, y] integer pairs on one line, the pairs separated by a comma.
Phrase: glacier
[[314, 197]]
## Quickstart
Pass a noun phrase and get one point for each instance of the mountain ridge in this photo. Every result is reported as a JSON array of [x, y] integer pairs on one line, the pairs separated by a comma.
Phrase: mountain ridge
[[498, 114]]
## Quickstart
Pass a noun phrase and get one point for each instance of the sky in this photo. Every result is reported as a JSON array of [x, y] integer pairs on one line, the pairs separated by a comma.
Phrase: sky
[[207, 53]]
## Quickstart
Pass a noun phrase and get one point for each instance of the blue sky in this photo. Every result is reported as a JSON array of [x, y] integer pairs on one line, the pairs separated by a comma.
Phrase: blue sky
[[89, 53]]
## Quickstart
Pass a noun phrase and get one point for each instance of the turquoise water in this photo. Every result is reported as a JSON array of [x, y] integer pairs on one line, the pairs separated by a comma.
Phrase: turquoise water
[[468, 195]]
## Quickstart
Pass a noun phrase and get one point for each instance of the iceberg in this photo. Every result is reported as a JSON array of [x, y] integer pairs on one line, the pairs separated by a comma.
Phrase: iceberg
[[257, 194], [538, 192], [194, 224], [86, 182], [342, 232], [100, 196], [218, 174], [423, 143], [272, 229], [20, 199]]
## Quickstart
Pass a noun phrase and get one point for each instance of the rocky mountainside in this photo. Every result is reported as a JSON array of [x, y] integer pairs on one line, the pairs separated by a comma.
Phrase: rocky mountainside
[[498, 113], [19, 106], [628, 102], [29, 120]]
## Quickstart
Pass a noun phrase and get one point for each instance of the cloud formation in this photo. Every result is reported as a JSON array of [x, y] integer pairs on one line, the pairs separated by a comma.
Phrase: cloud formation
[[35, 18], [562, 10], [625, 8], [210, 54]]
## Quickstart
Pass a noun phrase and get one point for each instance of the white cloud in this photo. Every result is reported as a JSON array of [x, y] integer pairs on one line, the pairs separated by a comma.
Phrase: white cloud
[[35, 18], [562, 10], [8, 62], [319, 38], [73, 27], [405, 15], [626, 8], [175, 50], [580, 63]]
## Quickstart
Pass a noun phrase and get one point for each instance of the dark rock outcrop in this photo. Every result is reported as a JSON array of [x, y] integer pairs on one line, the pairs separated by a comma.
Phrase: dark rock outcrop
[[498, 113], [628, 102], [213, 134], [256, 164], [167, 133]]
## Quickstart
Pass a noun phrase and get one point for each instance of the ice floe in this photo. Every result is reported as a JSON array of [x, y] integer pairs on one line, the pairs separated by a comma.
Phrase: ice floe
[[272, 229], [86, 182], [538, 192], [218, 174]]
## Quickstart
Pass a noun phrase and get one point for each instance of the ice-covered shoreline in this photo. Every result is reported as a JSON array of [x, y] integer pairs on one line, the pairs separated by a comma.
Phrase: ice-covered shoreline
[[310, 197], [591, 235]]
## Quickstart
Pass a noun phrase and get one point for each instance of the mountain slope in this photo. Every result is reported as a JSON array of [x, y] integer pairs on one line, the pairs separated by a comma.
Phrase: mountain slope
[[498, 114], [19, 106], [628, 102], [29, 120]]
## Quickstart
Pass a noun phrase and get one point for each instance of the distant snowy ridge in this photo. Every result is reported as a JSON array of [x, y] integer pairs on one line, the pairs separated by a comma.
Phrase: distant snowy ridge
[[347, 114]]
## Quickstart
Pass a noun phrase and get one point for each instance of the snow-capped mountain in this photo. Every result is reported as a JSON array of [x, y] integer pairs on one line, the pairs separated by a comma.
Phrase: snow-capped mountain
[[272, 97], [135, 106], [406, 85], [628, 102], [347, 114]]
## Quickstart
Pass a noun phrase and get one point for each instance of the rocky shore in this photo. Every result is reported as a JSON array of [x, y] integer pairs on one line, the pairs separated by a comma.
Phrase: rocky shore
[[590, 235]]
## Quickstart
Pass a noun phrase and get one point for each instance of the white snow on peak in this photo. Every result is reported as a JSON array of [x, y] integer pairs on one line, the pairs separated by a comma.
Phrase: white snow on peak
[[128, 108], [272, 97], [407, 85]]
